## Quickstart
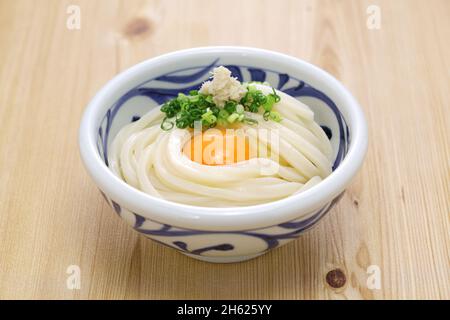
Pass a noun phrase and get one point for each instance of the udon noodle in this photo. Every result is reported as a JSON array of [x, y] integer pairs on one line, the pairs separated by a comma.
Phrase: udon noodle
[[152, 160]]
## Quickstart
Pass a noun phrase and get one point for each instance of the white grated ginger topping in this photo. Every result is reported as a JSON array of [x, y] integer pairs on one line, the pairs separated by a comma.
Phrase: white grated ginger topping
[[223, 87]]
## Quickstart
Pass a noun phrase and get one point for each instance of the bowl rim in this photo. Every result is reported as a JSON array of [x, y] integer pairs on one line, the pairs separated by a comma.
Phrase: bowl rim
[[231, 218]]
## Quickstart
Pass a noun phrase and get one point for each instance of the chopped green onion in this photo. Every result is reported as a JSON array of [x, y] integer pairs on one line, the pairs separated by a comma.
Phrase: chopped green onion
[[208, 117], [223, 114], [209, 99], [184, 110], [230, 106], [277, 97], [275, 116], [166, 125], [270, 101], [250, 121], [194, 98], [233, 117], [240, 108]]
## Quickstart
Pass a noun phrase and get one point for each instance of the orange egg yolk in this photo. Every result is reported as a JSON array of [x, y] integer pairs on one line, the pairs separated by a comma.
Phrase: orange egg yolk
[[217, 147]]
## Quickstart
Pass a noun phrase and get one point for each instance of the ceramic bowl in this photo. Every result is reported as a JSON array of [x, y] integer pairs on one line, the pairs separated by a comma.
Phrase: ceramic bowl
[[222, 234]]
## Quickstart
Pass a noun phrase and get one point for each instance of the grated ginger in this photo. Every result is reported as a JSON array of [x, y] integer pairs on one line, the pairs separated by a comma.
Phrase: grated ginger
[[223, 87]]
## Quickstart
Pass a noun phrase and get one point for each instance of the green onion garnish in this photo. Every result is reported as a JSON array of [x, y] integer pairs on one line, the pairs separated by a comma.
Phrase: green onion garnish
[[184, 110]]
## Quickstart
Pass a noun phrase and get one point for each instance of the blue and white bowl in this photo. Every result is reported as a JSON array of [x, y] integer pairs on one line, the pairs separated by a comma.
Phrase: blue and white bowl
[[222, 234]]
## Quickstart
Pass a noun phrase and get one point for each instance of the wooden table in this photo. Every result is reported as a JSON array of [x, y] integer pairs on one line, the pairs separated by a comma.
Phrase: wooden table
[[395, 215]]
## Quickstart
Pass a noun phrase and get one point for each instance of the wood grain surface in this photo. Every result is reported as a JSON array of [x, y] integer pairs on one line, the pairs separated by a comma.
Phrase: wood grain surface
[[395, 214]]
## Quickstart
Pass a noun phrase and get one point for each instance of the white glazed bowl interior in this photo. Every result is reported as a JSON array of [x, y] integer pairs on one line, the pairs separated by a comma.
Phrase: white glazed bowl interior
[[148, 84]]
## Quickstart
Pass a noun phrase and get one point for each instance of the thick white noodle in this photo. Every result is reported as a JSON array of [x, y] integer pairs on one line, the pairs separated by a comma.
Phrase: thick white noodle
[[151, 160]]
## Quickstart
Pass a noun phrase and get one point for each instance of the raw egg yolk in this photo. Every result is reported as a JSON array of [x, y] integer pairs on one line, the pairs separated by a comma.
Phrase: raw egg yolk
[[217, 147]]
